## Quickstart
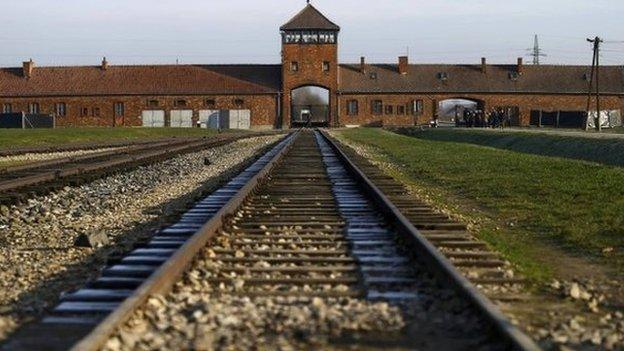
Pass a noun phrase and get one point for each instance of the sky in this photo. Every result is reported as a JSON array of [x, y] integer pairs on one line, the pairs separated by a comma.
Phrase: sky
[[81, 32]]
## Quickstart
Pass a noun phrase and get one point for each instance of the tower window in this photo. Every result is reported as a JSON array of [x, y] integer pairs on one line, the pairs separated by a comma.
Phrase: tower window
[[325, 66], [294, 66], [61, 109], [352, 107], [377, 107]]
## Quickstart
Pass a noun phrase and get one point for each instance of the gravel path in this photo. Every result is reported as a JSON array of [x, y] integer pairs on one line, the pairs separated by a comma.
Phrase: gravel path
[[38, 255], [36, 157]]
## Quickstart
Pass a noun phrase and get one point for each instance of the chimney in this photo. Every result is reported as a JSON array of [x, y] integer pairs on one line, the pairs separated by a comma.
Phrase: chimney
[[29, 67], [362, 64], [403, 64], [520, 65], [104, 64], [483, 65]]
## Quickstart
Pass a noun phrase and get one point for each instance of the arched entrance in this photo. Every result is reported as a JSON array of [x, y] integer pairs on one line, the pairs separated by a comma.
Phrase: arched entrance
[[451, 111], [310, 106]]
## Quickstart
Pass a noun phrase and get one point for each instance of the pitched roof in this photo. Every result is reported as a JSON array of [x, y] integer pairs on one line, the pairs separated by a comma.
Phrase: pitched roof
[[310, 19], [469, 79], [142, 80]]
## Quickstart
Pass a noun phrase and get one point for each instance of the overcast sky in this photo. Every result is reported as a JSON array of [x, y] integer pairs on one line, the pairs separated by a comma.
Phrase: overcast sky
[[70, 32]]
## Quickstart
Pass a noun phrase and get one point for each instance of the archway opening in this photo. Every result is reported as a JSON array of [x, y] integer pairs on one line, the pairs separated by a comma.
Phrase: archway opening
[[452, 111], [310, 107]]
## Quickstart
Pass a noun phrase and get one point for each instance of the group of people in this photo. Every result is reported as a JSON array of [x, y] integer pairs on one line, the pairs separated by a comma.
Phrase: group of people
[[496, 118]]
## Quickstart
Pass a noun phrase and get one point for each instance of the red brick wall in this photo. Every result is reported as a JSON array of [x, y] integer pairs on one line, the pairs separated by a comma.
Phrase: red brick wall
[[263, 108], [310, 58], [525, 103]]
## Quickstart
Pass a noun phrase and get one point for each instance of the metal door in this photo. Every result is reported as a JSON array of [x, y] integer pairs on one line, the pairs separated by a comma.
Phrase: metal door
[[153, 118], [209, 118], [181, 119]]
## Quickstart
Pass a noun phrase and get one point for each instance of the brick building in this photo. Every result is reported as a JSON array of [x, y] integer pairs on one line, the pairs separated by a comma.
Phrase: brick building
[[354, 94]]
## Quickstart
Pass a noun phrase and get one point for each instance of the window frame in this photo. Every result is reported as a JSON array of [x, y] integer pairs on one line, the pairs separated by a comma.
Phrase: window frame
[[377, 107], [60, 108], [7, 107], [34, 108], [84, 112], [210, 103], [353, 107], [153, 103], [389, 109], [119, 109], [400, 110]]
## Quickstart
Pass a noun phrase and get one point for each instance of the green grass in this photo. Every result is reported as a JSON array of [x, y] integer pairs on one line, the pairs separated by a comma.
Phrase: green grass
[[531, 208], [608, 151], [18, 138]]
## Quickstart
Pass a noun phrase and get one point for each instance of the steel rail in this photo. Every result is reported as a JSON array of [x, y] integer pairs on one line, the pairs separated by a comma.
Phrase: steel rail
[[4, 171], [163, 279], [428, 253]]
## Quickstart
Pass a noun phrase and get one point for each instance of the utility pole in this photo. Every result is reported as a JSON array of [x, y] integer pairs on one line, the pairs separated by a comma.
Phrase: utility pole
[[594, 78], [536, 52]]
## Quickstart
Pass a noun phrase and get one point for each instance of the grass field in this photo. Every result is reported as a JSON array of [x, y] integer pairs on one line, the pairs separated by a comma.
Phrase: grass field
[[531, 208], [18, 138], [605, 150]]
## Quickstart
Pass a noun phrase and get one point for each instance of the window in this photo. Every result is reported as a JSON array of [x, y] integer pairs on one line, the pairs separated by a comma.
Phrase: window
[[7, 108], [443, 76], [294, 66], [152, 103], [96, 112], [373, 75], [389, 109], [239, 102], [33, 108], [84, 112], [325, 66], [119, 109], [401, 110], [61, 109], [352, 107], [416, 107], [210, 103], [377, 107], [179, 103]]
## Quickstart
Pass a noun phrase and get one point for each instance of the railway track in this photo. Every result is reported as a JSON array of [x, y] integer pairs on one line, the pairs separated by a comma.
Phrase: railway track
[[302, 222], [471, 256], [18, 181]]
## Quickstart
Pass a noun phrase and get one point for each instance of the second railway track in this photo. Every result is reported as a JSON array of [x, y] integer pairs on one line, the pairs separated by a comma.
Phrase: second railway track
[[17, 181], [302, 223]]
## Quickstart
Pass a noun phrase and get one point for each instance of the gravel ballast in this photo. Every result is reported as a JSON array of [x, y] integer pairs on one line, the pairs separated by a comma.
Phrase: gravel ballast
[[38, 256], [37, 157]]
